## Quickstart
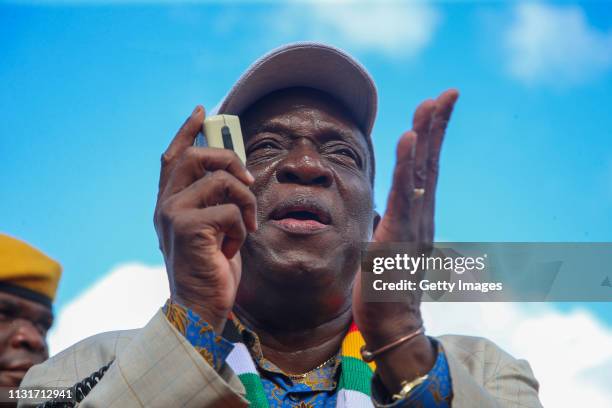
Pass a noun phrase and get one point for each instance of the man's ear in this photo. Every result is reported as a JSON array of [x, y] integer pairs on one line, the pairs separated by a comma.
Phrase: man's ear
[[376, 219]]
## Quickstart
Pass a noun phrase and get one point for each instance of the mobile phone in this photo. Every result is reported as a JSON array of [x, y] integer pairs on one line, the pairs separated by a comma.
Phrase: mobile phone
[[222, 131]]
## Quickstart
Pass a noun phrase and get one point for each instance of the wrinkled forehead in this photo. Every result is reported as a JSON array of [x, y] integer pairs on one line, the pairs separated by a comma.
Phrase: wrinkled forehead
[[302, 109]]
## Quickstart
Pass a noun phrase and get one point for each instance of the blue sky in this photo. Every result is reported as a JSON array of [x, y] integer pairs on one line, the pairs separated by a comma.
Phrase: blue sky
[[91, 95]]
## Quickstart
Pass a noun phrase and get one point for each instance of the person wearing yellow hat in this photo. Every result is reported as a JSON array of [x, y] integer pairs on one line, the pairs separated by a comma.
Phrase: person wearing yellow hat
[[28, 282]]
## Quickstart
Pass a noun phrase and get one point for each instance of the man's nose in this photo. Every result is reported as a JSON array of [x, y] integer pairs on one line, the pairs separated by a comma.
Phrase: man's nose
[[304, 165], [27, 336]]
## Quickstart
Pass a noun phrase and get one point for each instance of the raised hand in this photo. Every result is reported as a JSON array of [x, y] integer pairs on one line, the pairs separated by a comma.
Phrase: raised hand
[[203, 213], [409, 217], [411, 203]]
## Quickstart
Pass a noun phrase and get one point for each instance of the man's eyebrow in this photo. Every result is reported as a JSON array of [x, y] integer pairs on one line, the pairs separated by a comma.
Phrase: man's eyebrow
[[271, 126], [327, 129]]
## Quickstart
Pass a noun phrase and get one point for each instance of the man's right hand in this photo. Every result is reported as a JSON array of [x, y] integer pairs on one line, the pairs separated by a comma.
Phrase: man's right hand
[[203, 213]]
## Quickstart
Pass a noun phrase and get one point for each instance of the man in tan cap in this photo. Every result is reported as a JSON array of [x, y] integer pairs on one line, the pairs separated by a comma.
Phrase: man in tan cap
[[28, 281], [263, 259]]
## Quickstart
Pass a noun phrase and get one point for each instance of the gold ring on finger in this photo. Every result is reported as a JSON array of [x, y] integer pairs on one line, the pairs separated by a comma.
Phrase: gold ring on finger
[[418, 193]]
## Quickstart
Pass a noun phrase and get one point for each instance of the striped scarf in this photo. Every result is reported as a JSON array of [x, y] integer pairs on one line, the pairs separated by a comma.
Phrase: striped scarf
[[355, 374]]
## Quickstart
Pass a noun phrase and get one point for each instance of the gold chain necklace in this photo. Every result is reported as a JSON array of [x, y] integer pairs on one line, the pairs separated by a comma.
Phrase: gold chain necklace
[[302, 376]]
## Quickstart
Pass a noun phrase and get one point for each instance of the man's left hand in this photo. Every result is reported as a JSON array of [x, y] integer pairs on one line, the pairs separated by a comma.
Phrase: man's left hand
[[409, 217]]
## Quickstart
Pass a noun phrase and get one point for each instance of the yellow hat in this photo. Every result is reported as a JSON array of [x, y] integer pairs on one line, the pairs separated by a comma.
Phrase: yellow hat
[[27, 272]]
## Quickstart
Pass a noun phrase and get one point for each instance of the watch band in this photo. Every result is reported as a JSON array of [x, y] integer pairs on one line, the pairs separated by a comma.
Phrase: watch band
[[408, 386]]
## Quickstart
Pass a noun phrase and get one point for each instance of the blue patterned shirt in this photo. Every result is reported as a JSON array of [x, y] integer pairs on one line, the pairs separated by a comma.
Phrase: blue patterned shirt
[[315, 389]]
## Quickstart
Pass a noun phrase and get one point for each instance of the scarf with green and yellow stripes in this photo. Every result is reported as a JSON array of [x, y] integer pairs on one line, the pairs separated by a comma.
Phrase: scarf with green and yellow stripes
[[355, 374]]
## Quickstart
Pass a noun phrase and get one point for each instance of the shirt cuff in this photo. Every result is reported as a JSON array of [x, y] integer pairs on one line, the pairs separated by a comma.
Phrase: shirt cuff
[[435, 392], [212, 347]]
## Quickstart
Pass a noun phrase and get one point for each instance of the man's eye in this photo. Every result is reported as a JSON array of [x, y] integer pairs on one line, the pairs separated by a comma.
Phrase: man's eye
[[264, 145], [267, 145], [346, 152]]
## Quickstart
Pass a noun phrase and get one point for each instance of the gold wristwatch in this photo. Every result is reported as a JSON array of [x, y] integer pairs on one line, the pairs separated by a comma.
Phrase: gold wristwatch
[[407, 387]]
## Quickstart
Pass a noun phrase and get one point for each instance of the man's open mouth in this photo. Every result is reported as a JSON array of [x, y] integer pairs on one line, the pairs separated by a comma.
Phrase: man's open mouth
[[305, 216]]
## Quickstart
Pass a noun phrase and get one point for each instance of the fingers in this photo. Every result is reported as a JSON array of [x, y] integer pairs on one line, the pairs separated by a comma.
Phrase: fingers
[[421, 124], [402, 188], [197, 161], [184, 139], [444, 108], [227, 219], [217, 188], [222, 223]]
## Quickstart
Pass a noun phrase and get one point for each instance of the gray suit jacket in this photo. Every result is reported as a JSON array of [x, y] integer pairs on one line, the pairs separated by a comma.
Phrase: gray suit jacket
[[157, 367]]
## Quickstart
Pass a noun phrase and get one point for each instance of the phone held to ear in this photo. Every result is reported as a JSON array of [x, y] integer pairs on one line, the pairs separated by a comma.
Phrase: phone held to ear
[[222, 131]]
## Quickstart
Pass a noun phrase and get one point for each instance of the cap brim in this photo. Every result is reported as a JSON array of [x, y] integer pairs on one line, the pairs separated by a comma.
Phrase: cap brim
[[312, 65]]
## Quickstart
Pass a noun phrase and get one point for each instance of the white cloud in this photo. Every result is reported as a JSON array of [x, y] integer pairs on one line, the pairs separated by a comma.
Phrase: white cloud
[[556, 45], [393, 28], [565, 350], [126, 298]]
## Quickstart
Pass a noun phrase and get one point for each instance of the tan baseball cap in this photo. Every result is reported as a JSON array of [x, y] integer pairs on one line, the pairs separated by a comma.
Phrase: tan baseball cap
[[311, 65]]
